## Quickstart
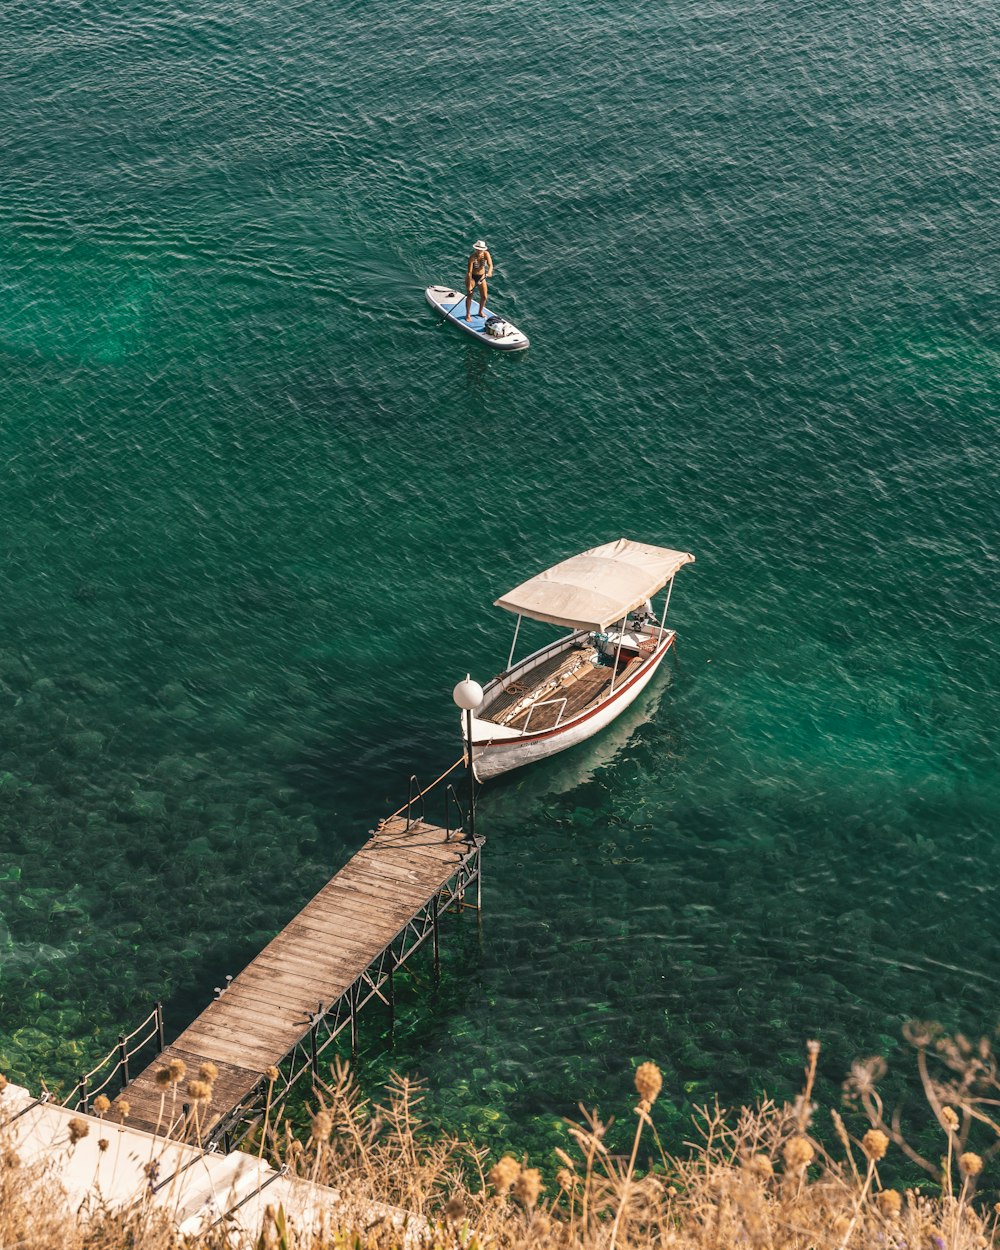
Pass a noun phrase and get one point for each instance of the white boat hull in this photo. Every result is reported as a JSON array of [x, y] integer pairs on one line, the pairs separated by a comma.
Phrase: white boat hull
[[497, 749]]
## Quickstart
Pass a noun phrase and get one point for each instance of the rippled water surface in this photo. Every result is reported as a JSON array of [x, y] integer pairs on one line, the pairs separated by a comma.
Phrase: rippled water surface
[[257, 503]]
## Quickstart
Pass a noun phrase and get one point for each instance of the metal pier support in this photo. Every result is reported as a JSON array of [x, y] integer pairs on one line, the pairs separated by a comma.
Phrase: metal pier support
[[436, 922]]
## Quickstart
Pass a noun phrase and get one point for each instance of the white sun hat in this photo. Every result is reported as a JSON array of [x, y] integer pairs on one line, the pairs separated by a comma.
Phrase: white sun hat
[[479, 246]]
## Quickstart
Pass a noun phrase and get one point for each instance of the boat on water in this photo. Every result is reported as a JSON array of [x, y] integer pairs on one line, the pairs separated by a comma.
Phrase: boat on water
[[567, 691]]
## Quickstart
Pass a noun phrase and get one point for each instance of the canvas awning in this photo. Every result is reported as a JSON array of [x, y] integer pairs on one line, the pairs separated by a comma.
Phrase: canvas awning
[[598, 587]]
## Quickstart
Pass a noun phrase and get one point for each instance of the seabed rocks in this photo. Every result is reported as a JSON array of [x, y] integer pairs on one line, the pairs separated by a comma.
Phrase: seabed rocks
[[138, 823]]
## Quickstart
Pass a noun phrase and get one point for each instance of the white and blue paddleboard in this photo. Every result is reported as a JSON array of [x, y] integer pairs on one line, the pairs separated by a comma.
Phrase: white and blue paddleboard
[[490, 329]]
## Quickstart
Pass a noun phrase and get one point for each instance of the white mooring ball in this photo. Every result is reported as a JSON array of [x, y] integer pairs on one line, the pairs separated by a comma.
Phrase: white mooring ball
[[468, 694]]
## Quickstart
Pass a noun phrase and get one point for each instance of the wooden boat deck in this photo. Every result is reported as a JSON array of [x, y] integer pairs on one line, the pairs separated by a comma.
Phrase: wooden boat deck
[[569, 675], [312, 964], [550, 670]]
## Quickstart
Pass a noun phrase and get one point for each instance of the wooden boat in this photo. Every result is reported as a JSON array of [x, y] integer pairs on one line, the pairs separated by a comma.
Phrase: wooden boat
[[569, 690]]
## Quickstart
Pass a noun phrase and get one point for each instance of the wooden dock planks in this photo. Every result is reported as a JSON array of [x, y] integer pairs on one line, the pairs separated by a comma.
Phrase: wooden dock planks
[[308, 966]]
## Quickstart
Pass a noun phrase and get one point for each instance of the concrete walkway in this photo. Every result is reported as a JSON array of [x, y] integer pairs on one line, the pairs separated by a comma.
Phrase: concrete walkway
[[195, 1188]]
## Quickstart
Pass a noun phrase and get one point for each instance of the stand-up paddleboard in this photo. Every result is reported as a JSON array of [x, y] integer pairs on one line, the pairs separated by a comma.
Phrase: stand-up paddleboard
[[490, 329]]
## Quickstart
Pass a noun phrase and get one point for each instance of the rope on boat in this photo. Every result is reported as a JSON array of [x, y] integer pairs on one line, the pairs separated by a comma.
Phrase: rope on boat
[[427, 789]]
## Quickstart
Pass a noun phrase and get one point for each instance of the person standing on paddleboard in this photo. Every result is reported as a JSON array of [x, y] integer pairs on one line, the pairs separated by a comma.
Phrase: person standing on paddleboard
[[479, 268]]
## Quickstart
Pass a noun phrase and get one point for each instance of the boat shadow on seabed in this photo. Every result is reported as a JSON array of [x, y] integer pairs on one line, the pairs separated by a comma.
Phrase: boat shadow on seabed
[[523, 790]]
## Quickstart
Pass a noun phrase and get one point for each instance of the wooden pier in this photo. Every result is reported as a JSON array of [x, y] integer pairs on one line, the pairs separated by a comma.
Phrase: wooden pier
[[309, 984]]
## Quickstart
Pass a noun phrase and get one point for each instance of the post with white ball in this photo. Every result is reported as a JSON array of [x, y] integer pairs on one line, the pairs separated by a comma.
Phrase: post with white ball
[[468, 695]]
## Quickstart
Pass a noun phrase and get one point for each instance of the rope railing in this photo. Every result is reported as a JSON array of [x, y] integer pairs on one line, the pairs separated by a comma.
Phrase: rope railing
[[153, 1015], [83, 1093]]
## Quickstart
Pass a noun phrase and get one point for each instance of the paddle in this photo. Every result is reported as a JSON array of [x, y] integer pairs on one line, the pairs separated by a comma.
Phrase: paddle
[[467, 295]]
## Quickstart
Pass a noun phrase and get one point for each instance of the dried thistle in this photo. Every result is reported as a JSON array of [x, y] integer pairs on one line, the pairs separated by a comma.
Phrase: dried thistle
[[77, 1129], [566, 1180], [648, 1083], [163, 1078], [272, 1073], [875, 1144], [208, 1071], [540, 1228], [970, 1163], [454, 1209], [798, 1154], [503, 1174], [102, 1105], [322, 1126], [177, 1069], [864, 1075], [950, 1117], [124, 1108], [760, 1166], [722, 1195], [528, 1186], [199, 1091]]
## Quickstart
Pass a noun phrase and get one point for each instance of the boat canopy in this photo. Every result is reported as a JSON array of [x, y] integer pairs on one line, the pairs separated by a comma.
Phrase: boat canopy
[[597, 587]]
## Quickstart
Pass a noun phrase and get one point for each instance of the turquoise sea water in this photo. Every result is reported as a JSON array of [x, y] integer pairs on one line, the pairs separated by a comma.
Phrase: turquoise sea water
[[257, 503]]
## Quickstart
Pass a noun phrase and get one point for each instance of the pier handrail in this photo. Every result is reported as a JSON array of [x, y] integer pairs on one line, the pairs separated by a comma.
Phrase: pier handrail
[[121, 1054], [275, 1176], [410, 800], [451, 799], [426, 790]]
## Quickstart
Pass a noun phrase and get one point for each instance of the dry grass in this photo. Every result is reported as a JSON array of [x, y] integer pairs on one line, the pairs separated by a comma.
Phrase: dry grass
[[761, 1178]]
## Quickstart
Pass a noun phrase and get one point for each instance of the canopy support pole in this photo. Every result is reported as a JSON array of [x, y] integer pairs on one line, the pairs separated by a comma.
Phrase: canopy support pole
[[666, 605], [618, 654], [517, 627]]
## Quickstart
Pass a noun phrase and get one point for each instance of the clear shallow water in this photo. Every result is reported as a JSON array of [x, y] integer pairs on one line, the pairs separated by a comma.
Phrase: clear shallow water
[[257, 503]]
